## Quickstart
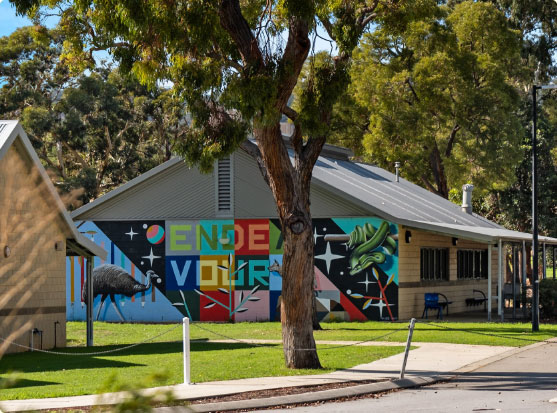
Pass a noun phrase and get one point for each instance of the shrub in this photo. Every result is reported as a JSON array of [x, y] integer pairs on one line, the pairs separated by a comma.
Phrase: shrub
[[548, 298]]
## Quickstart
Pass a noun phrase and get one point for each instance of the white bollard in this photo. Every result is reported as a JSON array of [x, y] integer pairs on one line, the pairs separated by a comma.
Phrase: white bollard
[[186, 334], [408, 343]]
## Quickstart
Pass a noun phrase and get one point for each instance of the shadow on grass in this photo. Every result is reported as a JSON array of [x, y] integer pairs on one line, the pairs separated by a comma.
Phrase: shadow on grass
[[38, 362], [19, 383], [438, 327]]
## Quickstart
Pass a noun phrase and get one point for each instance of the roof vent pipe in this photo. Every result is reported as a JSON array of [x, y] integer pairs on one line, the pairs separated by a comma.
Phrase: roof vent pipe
[[467, 198], [397, 168]]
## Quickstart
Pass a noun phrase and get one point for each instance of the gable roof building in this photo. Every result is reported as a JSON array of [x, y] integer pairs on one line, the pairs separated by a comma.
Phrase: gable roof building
[[36, 234], [440, 247]]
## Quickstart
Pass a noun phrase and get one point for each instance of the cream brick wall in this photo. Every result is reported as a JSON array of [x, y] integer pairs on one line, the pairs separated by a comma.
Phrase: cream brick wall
[[33, 277], [412, 289]]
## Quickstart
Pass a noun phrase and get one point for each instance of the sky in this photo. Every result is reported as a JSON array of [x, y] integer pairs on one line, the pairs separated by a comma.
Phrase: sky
[[8, 19]]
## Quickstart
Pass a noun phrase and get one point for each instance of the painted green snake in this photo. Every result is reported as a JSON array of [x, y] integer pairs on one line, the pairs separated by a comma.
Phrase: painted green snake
[[366, 239]]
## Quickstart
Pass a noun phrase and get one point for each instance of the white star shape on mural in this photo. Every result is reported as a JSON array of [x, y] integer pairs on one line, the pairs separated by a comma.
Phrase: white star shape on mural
[[328, 256], [315, 236], [366, 282], [381, 304], [151, 257], [131, 233]]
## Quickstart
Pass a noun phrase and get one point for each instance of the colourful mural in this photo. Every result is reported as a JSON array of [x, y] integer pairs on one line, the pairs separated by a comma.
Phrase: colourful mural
[[220, 270]]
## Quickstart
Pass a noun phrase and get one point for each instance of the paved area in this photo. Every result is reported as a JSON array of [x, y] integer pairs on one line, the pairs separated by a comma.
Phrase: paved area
[[525, 382], [427, 361]]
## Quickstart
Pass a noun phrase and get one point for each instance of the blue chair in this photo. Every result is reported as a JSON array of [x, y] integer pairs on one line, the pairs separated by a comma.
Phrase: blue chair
[[431, 302]]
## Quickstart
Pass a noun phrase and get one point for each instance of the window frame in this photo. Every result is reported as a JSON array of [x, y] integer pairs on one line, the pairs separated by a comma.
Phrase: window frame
[[434, 264], [472, 264]]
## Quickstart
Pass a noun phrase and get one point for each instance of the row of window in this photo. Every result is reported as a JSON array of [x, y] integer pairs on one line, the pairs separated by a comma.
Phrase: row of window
[[434, 264]]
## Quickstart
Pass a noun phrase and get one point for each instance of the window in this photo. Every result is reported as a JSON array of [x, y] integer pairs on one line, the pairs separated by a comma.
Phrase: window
[[471, 264], [434, 264]]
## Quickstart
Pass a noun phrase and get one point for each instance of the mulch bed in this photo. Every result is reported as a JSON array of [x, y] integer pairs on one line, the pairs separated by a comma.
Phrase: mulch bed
[[282, 391]]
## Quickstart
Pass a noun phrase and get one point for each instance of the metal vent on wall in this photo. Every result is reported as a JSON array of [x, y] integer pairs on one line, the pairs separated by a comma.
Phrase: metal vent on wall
[[224, 186]]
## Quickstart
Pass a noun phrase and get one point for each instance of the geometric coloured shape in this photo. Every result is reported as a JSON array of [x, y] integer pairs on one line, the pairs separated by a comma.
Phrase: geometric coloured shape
[[181, 237], [188, 304], [155, 234], [354, 313], [182, 273], [211, 277], [322, 282], [257, 306], [252, 236], [275, 270], [215, 237], [275, 238], [210, 311], [274, 305], [255, 273]]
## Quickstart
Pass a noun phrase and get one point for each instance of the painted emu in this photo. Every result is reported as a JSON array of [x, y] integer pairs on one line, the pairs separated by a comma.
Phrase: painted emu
[[110, 279]]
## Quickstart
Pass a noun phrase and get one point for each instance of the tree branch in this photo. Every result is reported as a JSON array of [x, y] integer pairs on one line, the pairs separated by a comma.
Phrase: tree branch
[[367, 14], [232, 20], [295, 54], [428, 184], [253, 150], [450, 142], [291, 113]]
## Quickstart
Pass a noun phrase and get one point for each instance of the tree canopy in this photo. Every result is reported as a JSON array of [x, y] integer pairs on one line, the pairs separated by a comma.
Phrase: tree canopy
[[441, 88], [235, 64], [93, 131]]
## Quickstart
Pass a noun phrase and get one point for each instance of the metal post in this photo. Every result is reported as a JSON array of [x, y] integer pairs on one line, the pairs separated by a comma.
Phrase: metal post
[[535, 281], [553, 262], [489, 282], [500, 280], [524, 278], [515, 273], [544, 265], [408, 342], [89, 286], [186, 338]]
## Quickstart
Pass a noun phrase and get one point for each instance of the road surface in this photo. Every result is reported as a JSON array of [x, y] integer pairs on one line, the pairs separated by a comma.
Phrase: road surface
[[524, 382]]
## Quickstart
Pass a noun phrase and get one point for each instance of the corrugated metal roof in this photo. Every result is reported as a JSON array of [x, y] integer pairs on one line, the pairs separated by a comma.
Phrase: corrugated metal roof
[[481, 234], [11, 130], [370, 189], [172, 190], [401, 200]]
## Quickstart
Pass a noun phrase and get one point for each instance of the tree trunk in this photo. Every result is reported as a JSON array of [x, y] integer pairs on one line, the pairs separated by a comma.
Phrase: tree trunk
[[297, 300], [438, 170], [290, 187]]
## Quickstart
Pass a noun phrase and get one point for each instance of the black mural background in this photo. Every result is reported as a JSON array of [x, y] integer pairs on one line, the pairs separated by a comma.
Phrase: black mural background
[[339, 273], [137, 246]]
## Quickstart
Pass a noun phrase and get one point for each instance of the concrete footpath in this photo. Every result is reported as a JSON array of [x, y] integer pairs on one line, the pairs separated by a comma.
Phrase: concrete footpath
[[427, 363]]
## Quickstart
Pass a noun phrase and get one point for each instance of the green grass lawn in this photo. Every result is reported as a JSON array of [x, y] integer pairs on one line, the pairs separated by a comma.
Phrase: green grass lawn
[[47, 375], [495, 334]]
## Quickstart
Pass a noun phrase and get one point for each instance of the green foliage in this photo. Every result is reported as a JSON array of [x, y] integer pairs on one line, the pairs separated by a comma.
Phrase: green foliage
[[548, 298], [512, 206], [93, 131], [438, 86], [136, 400]]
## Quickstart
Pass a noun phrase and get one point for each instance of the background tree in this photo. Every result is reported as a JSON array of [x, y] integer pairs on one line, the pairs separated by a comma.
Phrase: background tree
[[440, 87], [93, 131], [236, 64]]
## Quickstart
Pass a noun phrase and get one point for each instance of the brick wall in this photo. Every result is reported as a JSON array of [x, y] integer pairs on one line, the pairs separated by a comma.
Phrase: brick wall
[[412, 289], [32, 278]]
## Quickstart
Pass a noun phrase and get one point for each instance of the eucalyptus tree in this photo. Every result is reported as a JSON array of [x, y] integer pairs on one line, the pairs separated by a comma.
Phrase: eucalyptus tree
[[441, 87], [236, 64], [92, 131]]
